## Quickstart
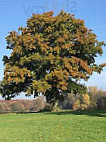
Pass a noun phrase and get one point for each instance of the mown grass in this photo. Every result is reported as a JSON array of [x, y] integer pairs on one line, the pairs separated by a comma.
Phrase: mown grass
[[53, 127]]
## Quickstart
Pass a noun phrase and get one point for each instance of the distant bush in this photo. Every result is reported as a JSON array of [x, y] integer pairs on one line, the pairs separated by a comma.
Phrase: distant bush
[[1, 108], [7, 109], [76, 105], [56, 107], [93, 101], [35, 105], [15, 107], [86, 99], [27, 105], [68, 101], [4, 108], [38, 105], [97, 97], [101, 102], [85, 102], [48, 107], [92, 105]]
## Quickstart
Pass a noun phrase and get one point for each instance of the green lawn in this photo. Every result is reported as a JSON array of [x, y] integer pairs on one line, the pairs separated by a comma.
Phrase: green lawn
[[53, 127]]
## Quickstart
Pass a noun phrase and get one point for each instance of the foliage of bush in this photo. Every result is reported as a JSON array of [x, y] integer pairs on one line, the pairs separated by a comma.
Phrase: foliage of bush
[[68, 101], [56, 107], [4, 108], [97, 97], [48, 107], [22, 105], [27, 105], [86, 99], [76, 105], [76, 102], [85, 102], [1, 108], [38, 105], [93, 101], [92, 105], [101, 102], [15, 107]]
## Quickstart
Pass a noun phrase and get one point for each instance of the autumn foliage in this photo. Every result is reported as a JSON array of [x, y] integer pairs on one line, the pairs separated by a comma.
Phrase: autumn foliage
[[49, 55], [22, 106]]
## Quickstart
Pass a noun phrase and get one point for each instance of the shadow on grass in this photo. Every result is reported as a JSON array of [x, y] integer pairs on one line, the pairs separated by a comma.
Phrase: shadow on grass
[[98, 113], [89, 113]]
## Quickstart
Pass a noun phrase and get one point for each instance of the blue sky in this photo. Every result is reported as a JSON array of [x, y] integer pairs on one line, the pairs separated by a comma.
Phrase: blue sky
[[14, 14]]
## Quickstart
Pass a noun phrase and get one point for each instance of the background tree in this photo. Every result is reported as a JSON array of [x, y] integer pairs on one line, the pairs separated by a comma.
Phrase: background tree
[[97, 97], [49, 56]]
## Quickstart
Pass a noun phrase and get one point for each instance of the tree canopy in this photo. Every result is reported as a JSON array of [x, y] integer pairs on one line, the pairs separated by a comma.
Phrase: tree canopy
[[50, 56]]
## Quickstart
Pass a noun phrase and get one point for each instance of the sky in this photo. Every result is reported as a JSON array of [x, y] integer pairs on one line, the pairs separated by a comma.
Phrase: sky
[[14, 14]]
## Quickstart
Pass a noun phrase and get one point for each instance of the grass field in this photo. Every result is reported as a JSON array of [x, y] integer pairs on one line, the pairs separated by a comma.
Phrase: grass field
[[53, 127]]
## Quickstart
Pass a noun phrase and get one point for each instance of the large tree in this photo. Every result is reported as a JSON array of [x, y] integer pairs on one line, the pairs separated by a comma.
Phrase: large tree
[[50, 56]]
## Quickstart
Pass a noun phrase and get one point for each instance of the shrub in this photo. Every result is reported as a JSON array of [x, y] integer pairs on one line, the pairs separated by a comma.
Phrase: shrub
[[93, 105], [76, 105], [15, 107], [4, 108], [93, 101], [38, 105], [56, 107], [48, 107], [1, 108], [101, 102], [85, 102], [83, 106], [86, 99], [27, 105], [68, 101]]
